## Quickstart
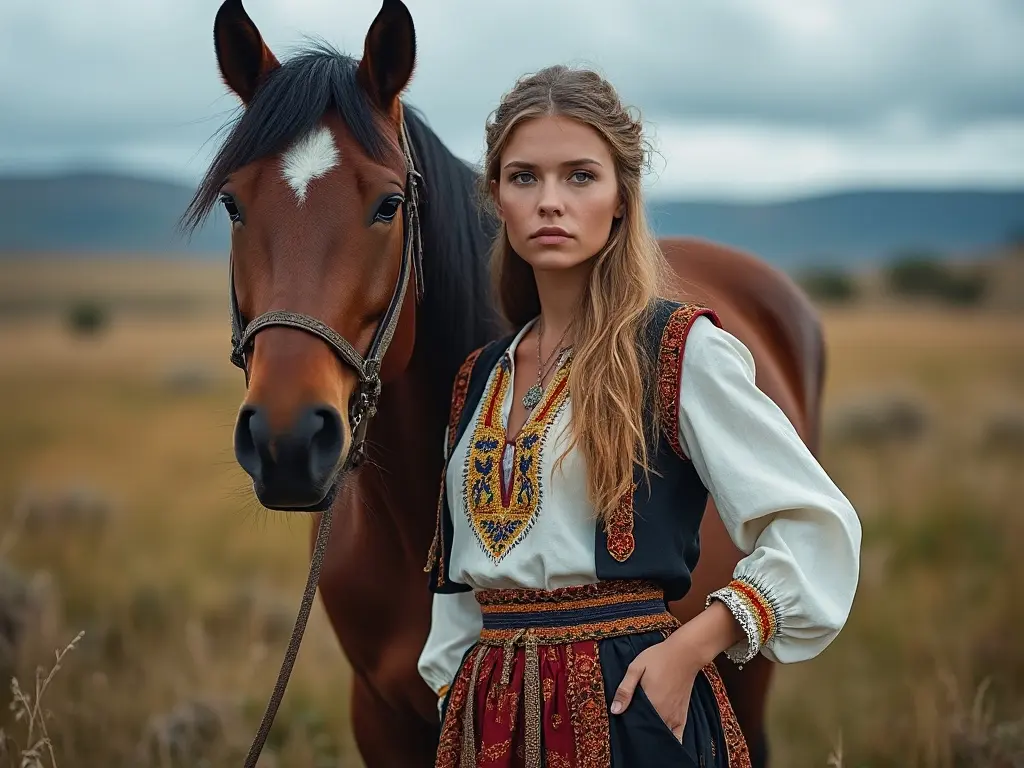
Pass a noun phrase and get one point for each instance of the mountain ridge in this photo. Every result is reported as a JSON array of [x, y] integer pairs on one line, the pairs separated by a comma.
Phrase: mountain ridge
[[88, 213]]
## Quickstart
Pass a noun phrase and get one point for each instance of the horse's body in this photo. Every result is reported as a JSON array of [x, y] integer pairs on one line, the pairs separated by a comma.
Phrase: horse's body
[[329, 255]]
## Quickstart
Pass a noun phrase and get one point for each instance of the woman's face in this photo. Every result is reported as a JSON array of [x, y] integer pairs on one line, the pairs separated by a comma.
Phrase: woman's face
[[557, 192]]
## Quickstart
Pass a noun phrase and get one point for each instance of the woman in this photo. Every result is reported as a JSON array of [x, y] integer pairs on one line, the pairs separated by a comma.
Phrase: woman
[[567, 519]]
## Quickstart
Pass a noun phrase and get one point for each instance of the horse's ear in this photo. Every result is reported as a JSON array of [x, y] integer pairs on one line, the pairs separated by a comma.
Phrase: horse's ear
[[389, 54], [243, 57]]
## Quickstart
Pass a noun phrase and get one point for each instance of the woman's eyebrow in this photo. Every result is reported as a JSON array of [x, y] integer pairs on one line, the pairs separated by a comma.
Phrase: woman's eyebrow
[[531, 166]]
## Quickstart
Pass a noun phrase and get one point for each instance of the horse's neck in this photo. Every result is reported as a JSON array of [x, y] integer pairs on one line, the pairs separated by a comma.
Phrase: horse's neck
[[398, 488], [406, 436]]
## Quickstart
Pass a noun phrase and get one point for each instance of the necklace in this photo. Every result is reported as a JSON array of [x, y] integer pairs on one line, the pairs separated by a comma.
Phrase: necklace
[[533, 395]]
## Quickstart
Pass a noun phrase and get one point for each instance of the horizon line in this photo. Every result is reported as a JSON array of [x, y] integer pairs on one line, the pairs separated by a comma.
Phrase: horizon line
[[817, 191]]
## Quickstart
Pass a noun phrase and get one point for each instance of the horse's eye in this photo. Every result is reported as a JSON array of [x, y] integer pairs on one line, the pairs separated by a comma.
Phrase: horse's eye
[[230, 206], [389, 208]]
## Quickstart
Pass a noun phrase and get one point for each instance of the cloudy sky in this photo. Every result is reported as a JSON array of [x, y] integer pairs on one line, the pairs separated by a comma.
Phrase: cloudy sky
[[742, 98]]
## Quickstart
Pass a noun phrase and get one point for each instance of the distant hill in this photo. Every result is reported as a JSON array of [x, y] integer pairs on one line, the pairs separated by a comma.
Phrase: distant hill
[[101, 213], [84, 214], [856, 227]]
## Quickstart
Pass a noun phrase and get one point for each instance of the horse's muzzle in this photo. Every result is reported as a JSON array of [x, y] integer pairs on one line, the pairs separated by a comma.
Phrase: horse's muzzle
[[292, 469]]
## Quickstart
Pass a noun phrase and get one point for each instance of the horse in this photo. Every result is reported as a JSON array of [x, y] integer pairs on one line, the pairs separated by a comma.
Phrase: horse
[[349, 374]]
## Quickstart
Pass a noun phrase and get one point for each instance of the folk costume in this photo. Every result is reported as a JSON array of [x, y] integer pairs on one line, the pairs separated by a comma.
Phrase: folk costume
[[538, 608]]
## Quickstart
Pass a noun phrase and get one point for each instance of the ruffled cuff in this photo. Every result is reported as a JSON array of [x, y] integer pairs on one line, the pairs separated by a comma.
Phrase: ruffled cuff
[[756, 611]]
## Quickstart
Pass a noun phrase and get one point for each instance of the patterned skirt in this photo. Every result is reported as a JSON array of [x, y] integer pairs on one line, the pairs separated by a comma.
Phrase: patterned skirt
[[537, 688]]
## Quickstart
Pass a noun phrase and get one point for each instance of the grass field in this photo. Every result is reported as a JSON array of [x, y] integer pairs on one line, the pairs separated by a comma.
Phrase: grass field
[[123, 514]]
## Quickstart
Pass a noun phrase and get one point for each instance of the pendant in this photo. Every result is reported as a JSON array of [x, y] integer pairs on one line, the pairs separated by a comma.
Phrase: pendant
[[532, 396]]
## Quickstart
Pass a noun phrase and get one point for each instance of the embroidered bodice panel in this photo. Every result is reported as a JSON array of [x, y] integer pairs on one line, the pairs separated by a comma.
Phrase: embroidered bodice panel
[[501, 491], [502, 482]]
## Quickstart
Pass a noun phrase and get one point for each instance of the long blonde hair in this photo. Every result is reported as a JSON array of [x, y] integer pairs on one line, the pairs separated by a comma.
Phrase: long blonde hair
[[608, 370]]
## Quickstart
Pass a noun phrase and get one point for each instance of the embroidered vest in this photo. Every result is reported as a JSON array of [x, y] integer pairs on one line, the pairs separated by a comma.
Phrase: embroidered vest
[[654, 533]]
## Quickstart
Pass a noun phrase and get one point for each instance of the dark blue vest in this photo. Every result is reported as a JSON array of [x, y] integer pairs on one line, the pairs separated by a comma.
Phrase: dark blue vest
[[655, 532]]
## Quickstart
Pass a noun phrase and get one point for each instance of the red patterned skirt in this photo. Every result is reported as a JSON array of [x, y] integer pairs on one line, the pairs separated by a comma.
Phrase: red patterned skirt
[[536, 689]]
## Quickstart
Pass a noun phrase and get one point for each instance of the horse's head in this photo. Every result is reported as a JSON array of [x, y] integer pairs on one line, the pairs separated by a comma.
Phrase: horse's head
[[315, 178]]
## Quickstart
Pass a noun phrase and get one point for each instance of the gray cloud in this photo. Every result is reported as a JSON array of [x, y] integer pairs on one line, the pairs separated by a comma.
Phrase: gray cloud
[[839, 65], [136, 85]]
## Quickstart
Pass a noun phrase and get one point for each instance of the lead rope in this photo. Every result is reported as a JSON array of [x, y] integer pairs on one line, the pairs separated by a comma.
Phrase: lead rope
[[323, 534]]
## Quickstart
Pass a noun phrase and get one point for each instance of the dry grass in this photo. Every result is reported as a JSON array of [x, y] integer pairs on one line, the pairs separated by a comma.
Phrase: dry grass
[[29, 711], [137, 527], [39, 280], [930, 668]]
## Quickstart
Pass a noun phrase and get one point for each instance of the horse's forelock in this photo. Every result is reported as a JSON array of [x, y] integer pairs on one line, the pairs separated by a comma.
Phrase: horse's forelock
[[287, 108]]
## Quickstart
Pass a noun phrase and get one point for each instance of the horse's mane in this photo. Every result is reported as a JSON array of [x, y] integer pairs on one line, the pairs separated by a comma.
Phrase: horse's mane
[[456, 315]]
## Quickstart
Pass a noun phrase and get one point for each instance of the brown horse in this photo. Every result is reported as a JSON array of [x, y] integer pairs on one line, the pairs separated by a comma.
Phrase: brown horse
[[313, 175]]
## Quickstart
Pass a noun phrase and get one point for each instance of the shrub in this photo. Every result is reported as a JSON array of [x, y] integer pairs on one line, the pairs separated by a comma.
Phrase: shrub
[[87, 318], [925, 275], [965, 289], [1003, 431], [876, 419], [830, 285]]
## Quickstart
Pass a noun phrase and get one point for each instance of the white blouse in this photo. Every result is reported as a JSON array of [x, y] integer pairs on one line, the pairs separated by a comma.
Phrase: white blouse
[[800, 534]]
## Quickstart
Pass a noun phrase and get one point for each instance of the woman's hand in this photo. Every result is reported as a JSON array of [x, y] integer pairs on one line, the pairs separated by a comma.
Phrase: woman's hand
[[667, 670], [667, 677]]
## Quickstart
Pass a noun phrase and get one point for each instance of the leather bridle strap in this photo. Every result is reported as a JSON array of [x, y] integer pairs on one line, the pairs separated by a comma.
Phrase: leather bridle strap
[[362, 406], [305, 323]]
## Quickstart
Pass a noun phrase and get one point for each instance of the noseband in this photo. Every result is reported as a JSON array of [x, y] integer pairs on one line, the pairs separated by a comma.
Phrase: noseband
[[361, 408], [363, 403]]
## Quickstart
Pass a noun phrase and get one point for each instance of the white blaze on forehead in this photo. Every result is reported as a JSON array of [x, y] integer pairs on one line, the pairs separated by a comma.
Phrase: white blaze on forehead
[[310, 157]]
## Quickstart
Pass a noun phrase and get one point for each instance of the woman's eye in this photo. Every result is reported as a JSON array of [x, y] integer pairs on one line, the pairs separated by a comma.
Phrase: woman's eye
[[582, 177], [521, 177], [231, 207], [388, 209]]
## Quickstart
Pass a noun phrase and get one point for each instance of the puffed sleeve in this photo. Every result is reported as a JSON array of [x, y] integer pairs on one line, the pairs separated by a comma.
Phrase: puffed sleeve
[[793, 590], [455, 624]]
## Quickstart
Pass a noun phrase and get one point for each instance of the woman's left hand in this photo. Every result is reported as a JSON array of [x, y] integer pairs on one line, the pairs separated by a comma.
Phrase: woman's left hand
[[667, 679], [667, 670]]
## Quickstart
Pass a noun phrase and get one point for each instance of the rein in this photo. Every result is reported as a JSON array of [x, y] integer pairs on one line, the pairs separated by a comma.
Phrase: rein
[[362, 405]]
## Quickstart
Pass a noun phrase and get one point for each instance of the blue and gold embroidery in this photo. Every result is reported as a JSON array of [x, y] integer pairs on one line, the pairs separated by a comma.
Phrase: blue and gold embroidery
[[502, 513]]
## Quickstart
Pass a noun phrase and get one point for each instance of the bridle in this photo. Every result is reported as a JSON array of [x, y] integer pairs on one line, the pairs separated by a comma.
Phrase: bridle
[[362, 404]]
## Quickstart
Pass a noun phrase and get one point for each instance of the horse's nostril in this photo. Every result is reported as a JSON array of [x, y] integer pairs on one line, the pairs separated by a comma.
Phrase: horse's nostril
[[325, 443], [251, 423]]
